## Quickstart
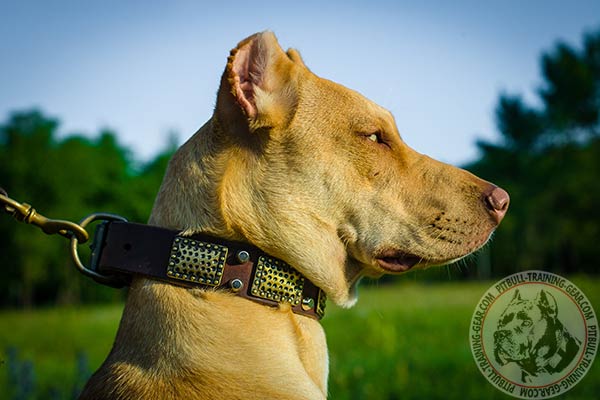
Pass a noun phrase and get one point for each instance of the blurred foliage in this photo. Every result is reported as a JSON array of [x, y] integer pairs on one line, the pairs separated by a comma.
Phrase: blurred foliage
[[65, 178], [548, 159]]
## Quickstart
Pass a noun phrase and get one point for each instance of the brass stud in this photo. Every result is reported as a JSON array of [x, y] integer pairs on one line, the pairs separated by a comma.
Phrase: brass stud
[[243, 256], [236, 285], [308, 303]]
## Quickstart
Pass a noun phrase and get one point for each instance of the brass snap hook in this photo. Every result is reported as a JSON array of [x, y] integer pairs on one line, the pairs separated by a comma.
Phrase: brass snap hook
[[76, 232], [24, 212]]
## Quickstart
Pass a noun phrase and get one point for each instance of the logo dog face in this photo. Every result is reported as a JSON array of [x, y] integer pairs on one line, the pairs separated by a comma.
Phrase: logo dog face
[[529, 334]]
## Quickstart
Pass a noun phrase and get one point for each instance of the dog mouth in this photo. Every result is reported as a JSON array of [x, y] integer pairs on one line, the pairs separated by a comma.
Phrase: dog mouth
[[500, 356], [397, 261]]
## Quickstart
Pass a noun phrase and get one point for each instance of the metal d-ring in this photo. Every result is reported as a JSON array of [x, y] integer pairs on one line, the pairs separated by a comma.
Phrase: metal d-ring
[[109, 280]]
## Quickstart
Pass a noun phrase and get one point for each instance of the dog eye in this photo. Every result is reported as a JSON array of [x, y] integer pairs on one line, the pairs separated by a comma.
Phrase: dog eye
[[527, 323], [375, 137]]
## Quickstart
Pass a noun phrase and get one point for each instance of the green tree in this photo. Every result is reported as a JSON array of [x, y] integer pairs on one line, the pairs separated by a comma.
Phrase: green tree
[[66, 178], [25, 157], [548, 159]]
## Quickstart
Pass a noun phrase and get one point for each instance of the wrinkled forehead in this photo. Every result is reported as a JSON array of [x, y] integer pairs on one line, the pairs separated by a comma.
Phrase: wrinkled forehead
[[520, 311], [522, 305], [332, 100]]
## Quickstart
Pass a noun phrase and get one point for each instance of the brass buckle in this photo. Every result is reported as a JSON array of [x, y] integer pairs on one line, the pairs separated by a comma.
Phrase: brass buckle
[[277, 281], [116, 281], [195, 261]]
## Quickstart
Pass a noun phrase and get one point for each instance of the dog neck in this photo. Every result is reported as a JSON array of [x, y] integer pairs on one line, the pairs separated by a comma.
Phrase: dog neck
[[200, 344], [176, 342], [196, 186], [213, 185], [566, 349]]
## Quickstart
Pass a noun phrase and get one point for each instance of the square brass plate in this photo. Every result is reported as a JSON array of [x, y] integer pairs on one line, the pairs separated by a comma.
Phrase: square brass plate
[[277, 281], [196, 261]]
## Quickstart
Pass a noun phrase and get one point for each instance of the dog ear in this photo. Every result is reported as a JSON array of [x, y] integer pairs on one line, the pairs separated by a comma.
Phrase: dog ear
[[516, 297], [257, 86], [295, 56], [547, 303]]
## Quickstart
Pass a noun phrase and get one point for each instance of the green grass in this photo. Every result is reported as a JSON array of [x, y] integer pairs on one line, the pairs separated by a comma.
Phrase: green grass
[[52, 339], [405, 340]]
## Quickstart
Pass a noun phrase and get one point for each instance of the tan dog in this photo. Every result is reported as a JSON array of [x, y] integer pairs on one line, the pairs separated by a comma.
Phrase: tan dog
[[314, 174]]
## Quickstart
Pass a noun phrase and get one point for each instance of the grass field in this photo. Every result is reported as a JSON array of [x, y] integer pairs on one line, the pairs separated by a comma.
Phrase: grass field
[[402, 341]]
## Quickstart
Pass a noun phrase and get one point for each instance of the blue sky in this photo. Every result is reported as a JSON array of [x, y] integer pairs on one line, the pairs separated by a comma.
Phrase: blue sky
[[146, 68]]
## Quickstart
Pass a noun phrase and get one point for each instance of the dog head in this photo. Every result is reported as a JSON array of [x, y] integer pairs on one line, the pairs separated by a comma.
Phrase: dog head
[[318, 175], [527, 332]]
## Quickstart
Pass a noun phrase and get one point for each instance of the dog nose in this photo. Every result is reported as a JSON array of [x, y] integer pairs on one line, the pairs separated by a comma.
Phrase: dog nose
[[497, 203]]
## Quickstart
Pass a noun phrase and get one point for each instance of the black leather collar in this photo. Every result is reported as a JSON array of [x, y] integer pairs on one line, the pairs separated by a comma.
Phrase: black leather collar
[[124, 249]]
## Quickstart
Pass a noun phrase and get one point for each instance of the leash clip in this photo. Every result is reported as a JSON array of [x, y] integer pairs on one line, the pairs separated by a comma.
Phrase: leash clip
[[23, 212]]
